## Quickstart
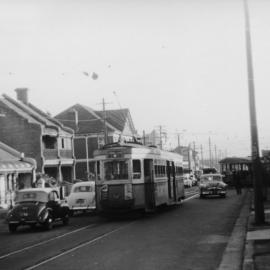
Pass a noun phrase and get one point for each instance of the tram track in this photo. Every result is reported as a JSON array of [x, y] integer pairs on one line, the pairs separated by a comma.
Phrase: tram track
[[77, 240]]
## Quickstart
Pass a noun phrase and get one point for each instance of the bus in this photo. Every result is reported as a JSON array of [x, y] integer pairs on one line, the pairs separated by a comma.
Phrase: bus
[[132, 176]]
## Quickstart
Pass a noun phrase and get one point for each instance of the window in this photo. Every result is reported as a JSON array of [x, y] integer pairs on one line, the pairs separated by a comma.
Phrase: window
[[136, 164], [83, 189], [116, 170], [63, 143]]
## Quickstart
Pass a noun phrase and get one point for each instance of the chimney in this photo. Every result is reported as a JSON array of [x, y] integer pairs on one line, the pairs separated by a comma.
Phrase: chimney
[[75, 117], [22, 95]]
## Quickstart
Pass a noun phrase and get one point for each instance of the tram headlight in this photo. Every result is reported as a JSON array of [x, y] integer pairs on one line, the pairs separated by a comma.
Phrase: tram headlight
[[128, 191]]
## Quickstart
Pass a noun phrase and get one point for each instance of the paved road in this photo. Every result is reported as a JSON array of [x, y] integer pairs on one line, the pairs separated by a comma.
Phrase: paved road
[[191, 236]]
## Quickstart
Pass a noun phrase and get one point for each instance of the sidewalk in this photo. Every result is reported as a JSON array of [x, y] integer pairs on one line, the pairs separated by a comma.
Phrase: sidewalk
[[257, 247], [249, 245]]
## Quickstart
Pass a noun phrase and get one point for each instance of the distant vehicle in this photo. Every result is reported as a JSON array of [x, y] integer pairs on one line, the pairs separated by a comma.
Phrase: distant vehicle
[[37, 206], [82, 197], [187, 180], [209, 170], [212, 184]]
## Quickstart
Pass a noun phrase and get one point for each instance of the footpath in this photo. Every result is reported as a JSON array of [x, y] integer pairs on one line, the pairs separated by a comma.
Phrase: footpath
[[249, 245]]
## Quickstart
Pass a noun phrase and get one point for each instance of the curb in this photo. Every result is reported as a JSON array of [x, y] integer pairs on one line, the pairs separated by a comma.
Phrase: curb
[[232, 258]]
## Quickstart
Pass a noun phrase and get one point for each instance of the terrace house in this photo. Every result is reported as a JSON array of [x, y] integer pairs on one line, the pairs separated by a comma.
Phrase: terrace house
[[38, 135], [90, 128]]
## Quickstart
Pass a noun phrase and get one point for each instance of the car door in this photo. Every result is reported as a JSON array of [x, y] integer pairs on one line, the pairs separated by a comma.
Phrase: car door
[[54, 204]]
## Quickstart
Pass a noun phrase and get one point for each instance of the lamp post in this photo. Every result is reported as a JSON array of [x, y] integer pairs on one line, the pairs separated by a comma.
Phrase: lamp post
[[256, 163]]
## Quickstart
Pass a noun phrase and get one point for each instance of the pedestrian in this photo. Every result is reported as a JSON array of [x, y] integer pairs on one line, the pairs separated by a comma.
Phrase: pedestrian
[[237, 182]]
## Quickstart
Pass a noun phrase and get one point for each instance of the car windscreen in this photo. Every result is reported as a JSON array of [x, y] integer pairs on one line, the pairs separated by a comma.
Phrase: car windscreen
[[28, 196], [116, 169], [211, 178], [83, 189]]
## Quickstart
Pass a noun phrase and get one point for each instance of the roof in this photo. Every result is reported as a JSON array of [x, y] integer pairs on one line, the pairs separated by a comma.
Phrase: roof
[[118, 118], [12, 160], [15, 165], [236, 160], [33, 114], [92, 122]]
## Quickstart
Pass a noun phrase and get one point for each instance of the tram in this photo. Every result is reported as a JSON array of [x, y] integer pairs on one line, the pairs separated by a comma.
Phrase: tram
[[132, 176]]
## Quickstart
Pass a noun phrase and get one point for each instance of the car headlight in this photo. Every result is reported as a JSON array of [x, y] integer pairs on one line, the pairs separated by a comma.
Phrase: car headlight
[[43, 215]]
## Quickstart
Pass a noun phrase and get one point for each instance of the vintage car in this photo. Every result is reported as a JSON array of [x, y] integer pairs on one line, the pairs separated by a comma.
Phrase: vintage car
[[212, 184], [82, 197], [37, 206]]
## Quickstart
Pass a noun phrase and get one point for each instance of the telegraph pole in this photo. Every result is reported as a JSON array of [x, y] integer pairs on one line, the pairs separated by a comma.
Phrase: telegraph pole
[[202, 156], [210, 153], [104, 122], [256, 162]]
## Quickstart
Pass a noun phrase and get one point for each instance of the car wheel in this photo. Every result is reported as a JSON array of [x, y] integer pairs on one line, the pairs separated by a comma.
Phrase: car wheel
[[223, 196], [71, 213], [65, 219], [48, 224], [12, 227]]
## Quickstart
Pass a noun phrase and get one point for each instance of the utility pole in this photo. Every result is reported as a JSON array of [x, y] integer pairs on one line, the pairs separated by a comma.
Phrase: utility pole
[[216, 160], [202, 156], [256, 162], [104, 122], [161, 133], [143, 137], [210, 153], [160, 136]]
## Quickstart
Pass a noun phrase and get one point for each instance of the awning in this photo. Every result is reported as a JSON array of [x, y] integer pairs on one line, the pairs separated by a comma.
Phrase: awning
[[15, 166]]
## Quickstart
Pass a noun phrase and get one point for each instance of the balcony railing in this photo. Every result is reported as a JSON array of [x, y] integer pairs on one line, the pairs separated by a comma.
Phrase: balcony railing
[[65, 153], [50, 153]]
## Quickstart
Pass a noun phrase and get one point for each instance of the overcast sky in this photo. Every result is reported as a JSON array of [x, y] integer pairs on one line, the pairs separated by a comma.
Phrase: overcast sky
[[176, 63]]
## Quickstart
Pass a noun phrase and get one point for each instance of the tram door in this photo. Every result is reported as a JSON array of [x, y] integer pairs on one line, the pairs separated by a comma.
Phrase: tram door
[[149, 187], [174, 181], [169, 179]]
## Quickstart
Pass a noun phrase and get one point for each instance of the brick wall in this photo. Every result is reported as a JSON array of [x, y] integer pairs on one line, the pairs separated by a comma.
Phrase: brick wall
[[16, 132]]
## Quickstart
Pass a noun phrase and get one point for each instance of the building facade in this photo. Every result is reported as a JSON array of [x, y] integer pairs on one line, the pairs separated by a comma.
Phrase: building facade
[[92, 129], [38, 135]]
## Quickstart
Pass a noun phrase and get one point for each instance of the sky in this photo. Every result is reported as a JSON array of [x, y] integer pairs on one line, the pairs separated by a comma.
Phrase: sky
[[179, 64]]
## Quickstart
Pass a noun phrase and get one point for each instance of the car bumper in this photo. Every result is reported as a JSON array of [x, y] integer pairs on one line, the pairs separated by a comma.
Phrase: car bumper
[[213, 192], [82, 208]]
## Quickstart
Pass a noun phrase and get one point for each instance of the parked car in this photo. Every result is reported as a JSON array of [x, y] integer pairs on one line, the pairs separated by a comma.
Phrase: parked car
[[82, 197], [212, 184], [187, 180], [37, 206]]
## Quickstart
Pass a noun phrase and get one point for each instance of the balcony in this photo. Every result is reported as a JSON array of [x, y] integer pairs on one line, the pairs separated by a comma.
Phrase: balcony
[[64, 153], [50, 153]]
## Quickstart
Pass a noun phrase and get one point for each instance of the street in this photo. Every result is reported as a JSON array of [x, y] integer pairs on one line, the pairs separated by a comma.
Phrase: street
[[190, 236]]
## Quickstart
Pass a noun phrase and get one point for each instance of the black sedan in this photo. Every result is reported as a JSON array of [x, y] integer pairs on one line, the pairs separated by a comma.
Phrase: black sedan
[[37, 206], [212, 185]]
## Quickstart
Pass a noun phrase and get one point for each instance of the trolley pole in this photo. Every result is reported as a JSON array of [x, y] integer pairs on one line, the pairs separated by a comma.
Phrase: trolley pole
[[256, 162], [104, 122]]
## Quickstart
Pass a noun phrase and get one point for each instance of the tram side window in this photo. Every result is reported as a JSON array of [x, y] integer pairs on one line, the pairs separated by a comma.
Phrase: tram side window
[[136, 164], [179, 170], [160, 171]]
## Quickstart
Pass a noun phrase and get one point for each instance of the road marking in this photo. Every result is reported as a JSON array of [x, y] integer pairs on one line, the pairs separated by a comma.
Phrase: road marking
[[77, 247], [45, 241], [192, 197]]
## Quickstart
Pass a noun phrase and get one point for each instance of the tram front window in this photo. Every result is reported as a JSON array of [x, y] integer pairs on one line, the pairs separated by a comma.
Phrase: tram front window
[[116, 170]]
